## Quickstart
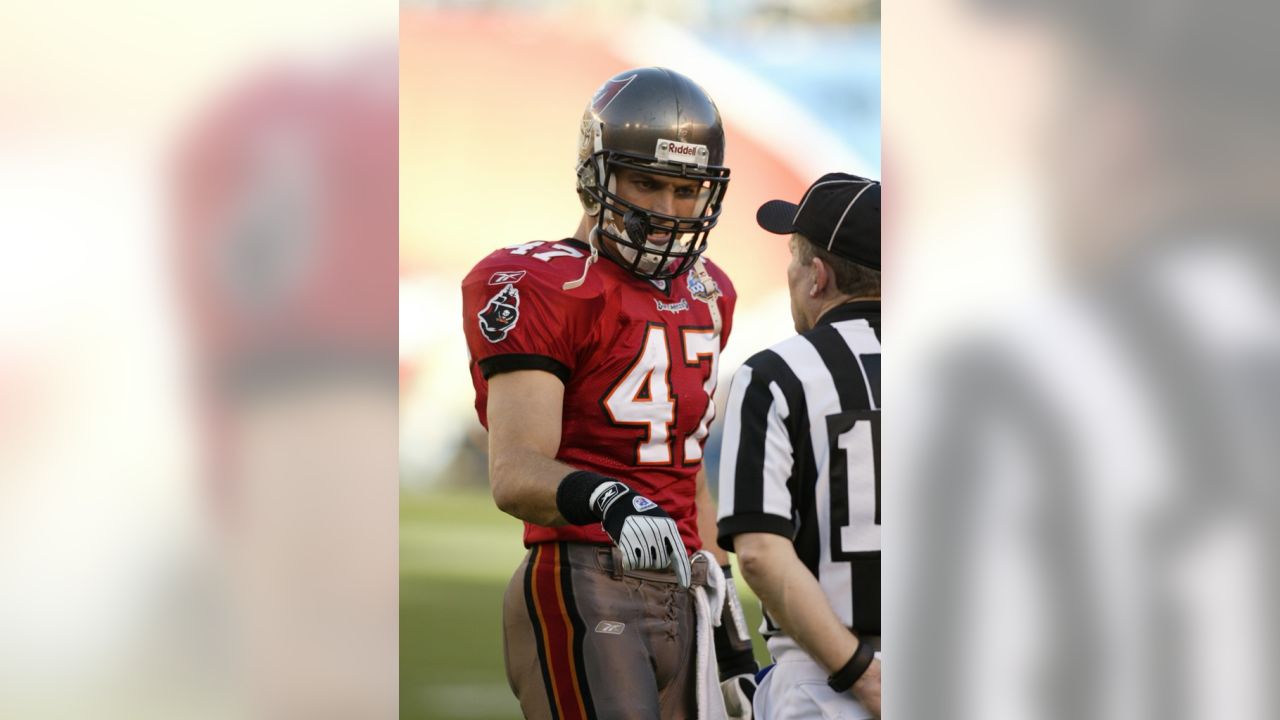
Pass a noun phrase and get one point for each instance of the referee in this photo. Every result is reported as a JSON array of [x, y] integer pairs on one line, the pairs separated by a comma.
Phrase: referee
[[800, 468]]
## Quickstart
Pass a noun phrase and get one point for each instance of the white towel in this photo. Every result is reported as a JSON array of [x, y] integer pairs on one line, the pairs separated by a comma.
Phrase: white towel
[[709, 601]]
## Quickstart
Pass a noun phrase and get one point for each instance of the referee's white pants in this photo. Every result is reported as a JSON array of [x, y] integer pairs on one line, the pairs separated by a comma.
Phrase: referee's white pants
[[796, 689]]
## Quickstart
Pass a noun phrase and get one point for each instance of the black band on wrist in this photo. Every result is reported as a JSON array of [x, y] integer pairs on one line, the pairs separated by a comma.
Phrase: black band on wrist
[[742, 662], [845, 677], [573, 496]]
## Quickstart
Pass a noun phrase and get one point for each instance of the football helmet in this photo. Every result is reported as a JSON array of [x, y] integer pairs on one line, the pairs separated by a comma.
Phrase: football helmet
[[656, 121]]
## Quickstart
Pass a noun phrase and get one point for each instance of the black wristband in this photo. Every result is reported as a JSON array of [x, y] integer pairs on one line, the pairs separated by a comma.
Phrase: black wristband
[[740, 662], [573, 496], [845, 677]]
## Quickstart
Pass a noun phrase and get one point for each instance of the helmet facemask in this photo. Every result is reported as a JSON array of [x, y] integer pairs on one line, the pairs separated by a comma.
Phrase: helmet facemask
[[629, 226]]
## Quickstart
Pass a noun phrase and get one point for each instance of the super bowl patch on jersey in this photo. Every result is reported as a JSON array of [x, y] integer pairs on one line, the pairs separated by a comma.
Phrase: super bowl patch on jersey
[[500, 314], [699, 289]]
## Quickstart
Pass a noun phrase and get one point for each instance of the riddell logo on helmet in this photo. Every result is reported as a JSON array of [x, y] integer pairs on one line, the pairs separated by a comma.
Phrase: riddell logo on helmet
[[681, 152]]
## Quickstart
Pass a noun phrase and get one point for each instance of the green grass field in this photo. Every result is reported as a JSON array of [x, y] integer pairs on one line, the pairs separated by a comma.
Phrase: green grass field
[[457, 553]]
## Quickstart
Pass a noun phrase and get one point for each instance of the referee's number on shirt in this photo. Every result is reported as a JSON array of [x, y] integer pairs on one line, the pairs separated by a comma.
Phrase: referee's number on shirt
[[855, 482]]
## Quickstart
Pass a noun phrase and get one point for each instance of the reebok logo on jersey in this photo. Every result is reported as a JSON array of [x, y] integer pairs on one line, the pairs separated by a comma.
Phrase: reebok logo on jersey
[[609, 627], [500, 314], [672, 307], [502, 277], [642, 503]]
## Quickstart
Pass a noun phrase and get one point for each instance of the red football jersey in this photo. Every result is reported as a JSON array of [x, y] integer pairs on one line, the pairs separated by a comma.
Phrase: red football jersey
[[638, 358]]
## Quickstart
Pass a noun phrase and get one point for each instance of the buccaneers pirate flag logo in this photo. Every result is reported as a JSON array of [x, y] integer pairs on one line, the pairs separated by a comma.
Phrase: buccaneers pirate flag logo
[[500, 314], [608, 92]]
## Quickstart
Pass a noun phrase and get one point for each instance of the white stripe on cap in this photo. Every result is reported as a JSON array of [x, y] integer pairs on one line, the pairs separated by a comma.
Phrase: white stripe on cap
[[809, 193], [832, 241]]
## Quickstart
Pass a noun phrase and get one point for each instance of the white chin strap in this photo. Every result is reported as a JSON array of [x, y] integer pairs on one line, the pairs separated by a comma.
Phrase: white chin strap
[[594, 242], [713, 292]]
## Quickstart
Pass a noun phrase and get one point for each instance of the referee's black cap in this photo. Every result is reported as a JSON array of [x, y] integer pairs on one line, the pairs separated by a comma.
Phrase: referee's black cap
[[839, 213]]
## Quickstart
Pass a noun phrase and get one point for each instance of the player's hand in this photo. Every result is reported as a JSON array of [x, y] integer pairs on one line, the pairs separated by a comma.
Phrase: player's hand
[[646, 535], [867, 688], [738, 692]]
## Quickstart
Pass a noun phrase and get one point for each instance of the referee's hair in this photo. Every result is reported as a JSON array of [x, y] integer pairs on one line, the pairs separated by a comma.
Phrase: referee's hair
[[851, 278]]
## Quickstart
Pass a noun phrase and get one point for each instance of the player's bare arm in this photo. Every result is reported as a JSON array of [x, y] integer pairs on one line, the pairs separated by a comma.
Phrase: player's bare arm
[[797, 603], [524, 410], [707, 519]]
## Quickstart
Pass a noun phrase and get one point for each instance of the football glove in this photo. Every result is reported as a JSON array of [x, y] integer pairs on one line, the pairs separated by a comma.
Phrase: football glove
[[646, 535]]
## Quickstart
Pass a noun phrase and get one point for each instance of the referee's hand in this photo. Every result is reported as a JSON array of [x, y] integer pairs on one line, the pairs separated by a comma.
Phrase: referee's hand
[[647, 536]]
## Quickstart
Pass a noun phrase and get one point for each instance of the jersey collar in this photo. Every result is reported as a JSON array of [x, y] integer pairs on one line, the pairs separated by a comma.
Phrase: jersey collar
[[868, 310]]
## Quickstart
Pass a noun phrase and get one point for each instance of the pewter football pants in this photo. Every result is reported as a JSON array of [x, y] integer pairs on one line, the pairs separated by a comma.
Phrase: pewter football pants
[[585, 640]]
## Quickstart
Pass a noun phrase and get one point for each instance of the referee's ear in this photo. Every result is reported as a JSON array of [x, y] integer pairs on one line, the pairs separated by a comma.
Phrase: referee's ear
[[823, 277]]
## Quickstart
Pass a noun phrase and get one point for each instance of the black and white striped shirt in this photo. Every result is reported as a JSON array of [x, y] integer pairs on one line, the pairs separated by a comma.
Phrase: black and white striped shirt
[[801, 456]]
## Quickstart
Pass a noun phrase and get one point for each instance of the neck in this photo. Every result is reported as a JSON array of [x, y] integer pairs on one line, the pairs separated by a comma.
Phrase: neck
[[825, 305]]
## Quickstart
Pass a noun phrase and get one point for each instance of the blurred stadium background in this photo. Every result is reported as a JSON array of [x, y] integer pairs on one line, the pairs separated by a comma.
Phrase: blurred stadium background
[[490, 98], [197, 427]]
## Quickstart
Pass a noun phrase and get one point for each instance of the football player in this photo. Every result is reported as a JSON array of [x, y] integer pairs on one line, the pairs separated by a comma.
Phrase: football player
[[594, 381]]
